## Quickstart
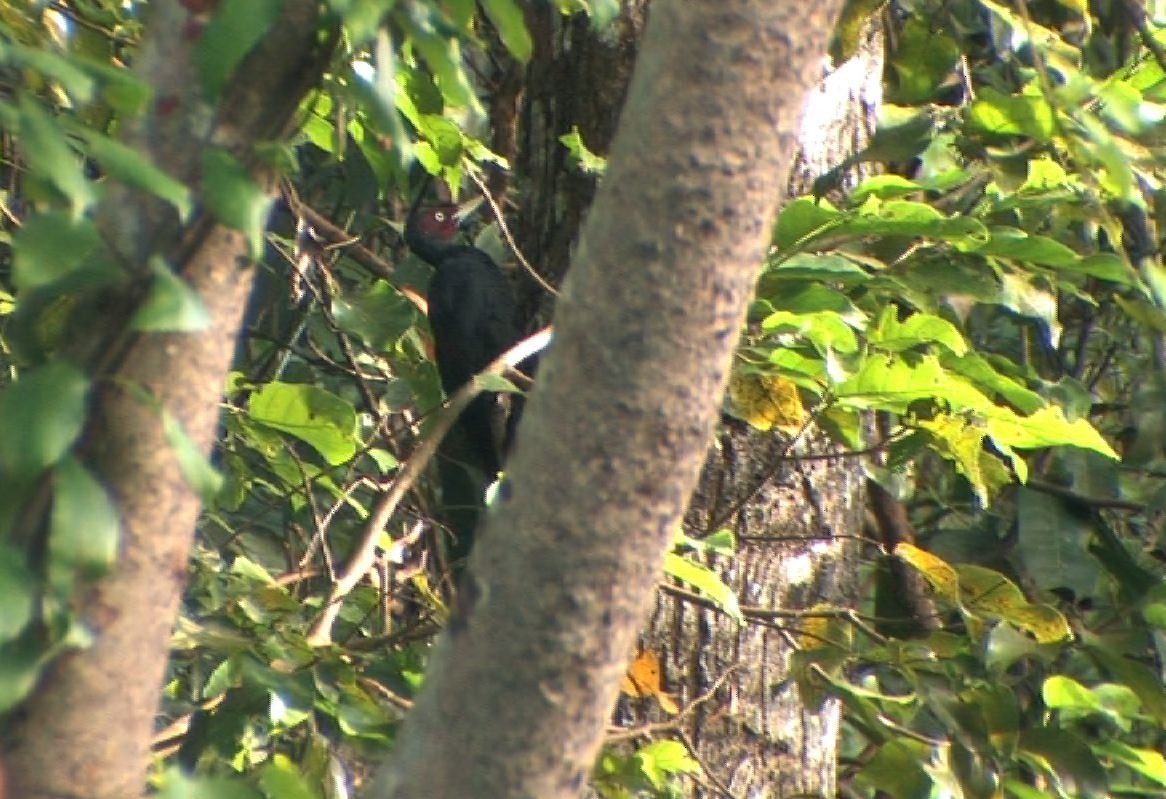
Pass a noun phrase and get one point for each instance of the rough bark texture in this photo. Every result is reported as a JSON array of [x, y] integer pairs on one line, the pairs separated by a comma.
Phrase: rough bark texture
[[757, 741], [577, 78], [86, 731], [519, 689], [798, 522]]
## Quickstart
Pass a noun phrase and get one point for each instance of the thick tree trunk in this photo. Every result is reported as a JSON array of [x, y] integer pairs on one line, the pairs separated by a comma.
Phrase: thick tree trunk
[[86, 730], [798, 522], [519, 689], [752, 737]]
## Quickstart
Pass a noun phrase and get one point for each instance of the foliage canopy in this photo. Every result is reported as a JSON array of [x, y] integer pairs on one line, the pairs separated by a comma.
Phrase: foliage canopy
[[996, 297]]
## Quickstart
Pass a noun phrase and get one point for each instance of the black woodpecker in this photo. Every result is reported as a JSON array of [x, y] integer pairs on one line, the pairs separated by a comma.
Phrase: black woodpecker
[[471, 315]]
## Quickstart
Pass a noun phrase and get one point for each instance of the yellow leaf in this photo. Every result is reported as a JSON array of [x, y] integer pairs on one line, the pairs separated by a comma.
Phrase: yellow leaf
[[767, 401], [936, 571], [643, 680]]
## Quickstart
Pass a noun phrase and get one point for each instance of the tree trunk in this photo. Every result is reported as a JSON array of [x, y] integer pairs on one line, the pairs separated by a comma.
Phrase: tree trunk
[[519, 689], [798, 522], [86, 730], [754, 735]]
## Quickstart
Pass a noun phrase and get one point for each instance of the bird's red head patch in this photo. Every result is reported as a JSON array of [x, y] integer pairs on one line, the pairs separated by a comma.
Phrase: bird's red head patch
[[438, 221]]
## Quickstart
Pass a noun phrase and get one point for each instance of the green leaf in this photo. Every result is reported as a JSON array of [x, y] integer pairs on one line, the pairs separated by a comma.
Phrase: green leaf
[[1046, 428], [18, 592], [1066, 756], [705, 580], [905, 218], [914, 331], [662, 759], [196, 469], [126, 93], [234, 197], [1052, 543], [1006, 242], [133, 168], [581, 158], [896, 769], [43, 414], [801, 219], [810, 266], [892, 383], [923, 59], [86, 527], [443, 57], [175, 784], [171, 305], [980, 371], [961, 441], [443, 136], [20, 669], [50, 157], [282, 779], [55, 66], [988, 594], [885, 187], [1018, 115], [1060, 693], [1138, 677], [1148, 763], [506, 15], [49, 246], [1105, 266], [826, 330], [496, 383], [236, 27], [311, 414]]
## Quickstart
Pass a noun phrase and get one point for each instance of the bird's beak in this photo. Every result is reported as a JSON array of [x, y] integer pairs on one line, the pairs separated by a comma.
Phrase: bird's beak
[[468, 208]]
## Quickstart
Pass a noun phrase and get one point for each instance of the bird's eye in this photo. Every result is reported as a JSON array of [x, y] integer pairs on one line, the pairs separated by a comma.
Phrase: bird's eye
[[439, 216]]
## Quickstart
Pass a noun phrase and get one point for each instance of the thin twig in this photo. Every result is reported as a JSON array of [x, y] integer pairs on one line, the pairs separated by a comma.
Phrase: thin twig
[[530, 270], [320, 633], [716, 782], [672, 725], [358, 252]]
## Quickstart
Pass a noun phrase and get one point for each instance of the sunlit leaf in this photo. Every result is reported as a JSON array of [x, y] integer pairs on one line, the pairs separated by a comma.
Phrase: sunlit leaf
[[705, 580], [643, 679], [282, 779], [988, 593], [311, 414], [1047, 427], [661, 759], [583, 158], [916, 330], [942, 577], [1016, 115]]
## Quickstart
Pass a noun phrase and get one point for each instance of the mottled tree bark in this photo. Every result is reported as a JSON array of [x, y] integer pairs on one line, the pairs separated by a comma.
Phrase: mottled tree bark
[[798, 523], [520, 687], [86, 730], [754, 735]]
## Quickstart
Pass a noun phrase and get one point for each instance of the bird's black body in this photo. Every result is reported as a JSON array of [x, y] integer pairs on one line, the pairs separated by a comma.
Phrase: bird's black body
[[471, 314]]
